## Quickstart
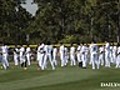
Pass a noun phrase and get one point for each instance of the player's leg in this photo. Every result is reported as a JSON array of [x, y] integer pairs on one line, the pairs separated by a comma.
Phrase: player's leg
[[55, 59], [51, 61], [28, 60], [74, 61], [6, 59], [16, 60], [93, 61], [97, 61], [62, 60]]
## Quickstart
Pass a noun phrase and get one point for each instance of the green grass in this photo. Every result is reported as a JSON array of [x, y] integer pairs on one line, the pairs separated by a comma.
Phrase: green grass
[[68, 78]]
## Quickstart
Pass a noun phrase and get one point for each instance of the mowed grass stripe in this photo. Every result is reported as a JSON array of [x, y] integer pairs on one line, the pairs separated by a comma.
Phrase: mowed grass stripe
[[17, 73], [91, 83], [64, 75], [62, 78]]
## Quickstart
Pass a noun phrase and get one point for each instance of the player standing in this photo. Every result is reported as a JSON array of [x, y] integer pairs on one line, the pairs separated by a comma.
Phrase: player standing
[[40, 55], [101, 55], [48, 56], [28, 51], [55, 55], [72, 55], [118, 57], [16, 55], [107, 54], [5, 54], [62, 54]]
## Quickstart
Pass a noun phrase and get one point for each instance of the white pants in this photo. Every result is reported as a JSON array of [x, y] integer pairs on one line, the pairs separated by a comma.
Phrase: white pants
[[111, 57], [22, 59], [5, 57], [117, 62], [28, 59], [72, 58], [40, 60], [107, 59], [62, 58], [48, 56], [66, 59], [101, 59], [3, 62], [114, 57], [83, 60], [95, 61], [54, 59], [86, 58], [78, 57], [38, 56], [90, 62], [16, 59]]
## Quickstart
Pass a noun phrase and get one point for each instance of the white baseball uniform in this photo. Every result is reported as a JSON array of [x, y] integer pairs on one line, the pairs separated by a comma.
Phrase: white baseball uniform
[[72, 56]]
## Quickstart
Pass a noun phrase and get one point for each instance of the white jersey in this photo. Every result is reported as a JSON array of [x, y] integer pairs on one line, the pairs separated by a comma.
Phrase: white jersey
[[83, 49], [78, 48], [101, 49], [54, 51], [16, 51], [72, 50], [86, 50], [4, 49], [62, 49], [50, 49], [111, 48], [107, 47], [46, 49], [114, 49], [118, 50], [28, 51], [93, 48], [22, 49], [40, 49]]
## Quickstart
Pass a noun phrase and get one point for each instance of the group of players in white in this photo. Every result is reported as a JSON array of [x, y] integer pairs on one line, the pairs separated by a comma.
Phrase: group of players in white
[[82, 55]]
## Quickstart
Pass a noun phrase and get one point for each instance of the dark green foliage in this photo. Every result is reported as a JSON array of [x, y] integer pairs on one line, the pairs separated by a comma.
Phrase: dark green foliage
[[76, 20], [60, 20], [13, 21]]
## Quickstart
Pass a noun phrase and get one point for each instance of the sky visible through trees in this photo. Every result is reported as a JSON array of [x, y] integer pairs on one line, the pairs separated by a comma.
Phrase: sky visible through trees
[[67, 21]]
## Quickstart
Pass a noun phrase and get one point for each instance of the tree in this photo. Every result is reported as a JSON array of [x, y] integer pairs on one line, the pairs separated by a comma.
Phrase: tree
[[60, 20], [13, 20]]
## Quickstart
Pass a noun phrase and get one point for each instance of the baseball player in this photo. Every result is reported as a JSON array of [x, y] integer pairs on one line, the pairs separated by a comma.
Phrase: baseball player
[[40, 55], [111, 54], [16, 55], [66, 55], [83, 58], [118, 57], [107, 54], [114, 53], [2, 60], [62, 55], [55, 55], [94, 55], [48, 56], [5, 54], [101, 55], [72, 55], [22, 55], [78, 53], [28, 50]]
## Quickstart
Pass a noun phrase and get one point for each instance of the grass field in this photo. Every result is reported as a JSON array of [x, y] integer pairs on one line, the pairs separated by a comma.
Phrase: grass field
[[68, 78]]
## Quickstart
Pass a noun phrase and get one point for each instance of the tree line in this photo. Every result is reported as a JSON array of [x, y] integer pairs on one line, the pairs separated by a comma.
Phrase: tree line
[[60, 21]]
